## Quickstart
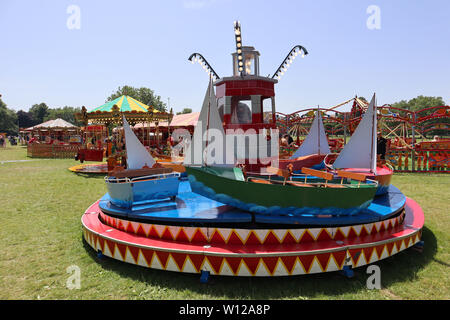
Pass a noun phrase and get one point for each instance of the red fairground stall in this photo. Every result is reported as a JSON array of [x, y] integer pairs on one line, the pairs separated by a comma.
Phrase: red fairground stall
[[94, 143], [53, 139]]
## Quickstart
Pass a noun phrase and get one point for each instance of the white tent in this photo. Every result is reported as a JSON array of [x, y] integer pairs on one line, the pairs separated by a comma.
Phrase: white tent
[[53, 124]]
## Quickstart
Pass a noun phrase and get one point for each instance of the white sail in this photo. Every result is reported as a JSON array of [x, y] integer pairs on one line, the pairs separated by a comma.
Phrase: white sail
[[208, 145], [316, 141], [137, 154], [361, 150]]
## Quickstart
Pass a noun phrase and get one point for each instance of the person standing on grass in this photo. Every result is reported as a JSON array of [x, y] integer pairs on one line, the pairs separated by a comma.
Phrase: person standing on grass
[[381, 147], [289, 139]]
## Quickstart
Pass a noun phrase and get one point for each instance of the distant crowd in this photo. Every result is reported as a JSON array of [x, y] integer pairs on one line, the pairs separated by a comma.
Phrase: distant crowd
[[3, 139]]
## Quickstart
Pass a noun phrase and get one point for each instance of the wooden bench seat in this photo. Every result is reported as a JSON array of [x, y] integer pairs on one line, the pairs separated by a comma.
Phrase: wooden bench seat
[[317, 173], [279, 172], [360, 177], [352, 175], [286, 174]]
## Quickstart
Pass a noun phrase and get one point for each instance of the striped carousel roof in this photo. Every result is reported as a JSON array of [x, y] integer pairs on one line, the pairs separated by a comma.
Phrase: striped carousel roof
[[124, 103]]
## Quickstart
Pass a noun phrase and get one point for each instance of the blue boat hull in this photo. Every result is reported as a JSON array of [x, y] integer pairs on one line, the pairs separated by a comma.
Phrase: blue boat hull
[[126, 194]]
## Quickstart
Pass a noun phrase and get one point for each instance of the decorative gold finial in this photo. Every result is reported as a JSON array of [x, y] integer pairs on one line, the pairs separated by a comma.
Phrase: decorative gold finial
[[116, 113]]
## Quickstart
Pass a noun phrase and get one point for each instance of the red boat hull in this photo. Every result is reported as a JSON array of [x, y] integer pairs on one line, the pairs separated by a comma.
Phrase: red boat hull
[[300, 162]]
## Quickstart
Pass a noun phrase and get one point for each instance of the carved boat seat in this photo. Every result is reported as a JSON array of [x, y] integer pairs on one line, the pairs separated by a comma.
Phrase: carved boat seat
[[352, 175], [299, 184], [263, 181], [334, 186]]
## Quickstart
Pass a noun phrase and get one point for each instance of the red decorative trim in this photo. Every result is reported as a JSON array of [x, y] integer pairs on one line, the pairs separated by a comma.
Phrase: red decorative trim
[[289, 262], [248, 256], [162, 256], [270, 263], [197, 261], [290, 236], [306, 262]]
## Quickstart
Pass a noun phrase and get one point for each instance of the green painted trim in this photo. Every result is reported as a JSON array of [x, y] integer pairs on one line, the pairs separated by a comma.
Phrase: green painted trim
[[125, 105], [269, 195]]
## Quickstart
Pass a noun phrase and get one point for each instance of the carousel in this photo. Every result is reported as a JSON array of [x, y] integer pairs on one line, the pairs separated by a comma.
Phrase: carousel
[[236, 215], [103, 132]]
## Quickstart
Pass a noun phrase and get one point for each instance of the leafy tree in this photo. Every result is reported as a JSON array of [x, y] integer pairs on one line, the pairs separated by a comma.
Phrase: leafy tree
[[8, 119], [420, 102], [185, 110], [144, 95], [363, 99], [402, 104], [39, 112], [25, 119], [66, 113]]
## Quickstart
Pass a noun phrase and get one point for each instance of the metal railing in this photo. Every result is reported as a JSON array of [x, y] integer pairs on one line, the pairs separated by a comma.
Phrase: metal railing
[[158, 176], [348, 184]]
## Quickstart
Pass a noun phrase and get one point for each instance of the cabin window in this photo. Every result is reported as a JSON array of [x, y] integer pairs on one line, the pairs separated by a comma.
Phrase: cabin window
[[221, 106], [249, 63], [267, 110], [241, 111]]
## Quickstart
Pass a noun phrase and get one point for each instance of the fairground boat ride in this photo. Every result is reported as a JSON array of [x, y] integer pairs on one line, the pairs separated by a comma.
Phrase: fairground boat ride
[[218, 178], [143, 180], [313, 149], [236, 215], [359, 155]]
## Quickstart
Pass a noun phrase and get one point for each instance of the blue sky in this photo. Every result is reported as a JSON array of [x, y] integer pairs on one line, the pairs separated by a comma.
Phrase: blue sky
[[147, 43]]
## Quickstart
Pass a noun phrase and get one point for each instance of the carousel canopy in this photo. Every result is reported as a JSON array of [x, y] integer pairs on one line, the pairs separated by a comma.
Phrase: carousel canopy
[[112, 111], [179, 120], [125, 104], [53, 124], [185, 120]]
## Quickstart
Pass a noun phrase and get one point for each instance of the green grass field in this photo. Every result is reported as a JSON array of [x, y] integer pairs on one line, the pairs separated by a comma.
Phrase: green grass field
[[41, 204]]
